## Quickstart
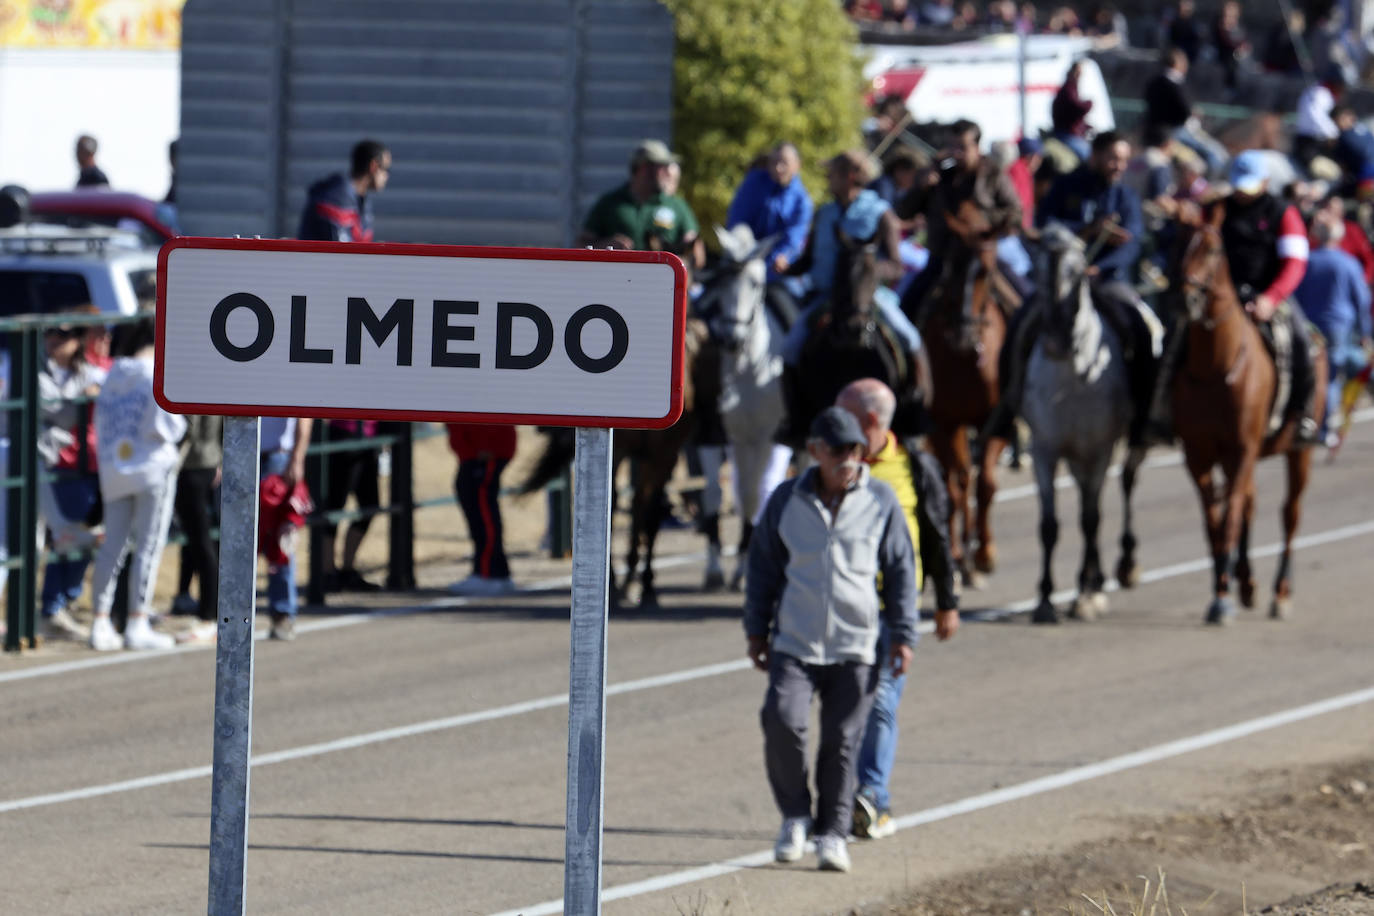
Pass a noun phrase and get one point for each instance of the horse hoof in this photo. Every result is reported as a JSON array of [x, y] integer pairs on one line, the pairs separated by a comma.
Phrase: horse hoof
[[648, 603], [1281, 609], [986, 561], [1128, 573], [714, 581], [1220, 611], [737, 580], [1089, 607], [974, 579], [1045, 613], [1247, 594]]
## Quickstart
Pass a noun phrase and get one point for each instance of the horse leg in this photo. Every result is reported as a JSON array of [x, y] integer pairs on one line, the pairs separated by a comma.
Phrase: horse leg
[[1049, 534], [985, 560], [941, 443], [1245, 577], [1299, 467], [751, 465], [1091, 601], [712, 458], [1240, 475], [1202, 468], [648, 595], [1128, 569], [963, 503]]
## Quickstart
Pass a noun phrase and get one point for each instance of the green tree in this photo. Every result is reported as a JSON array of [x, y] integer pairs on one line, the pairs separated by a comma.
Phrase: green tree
[[749, 73]]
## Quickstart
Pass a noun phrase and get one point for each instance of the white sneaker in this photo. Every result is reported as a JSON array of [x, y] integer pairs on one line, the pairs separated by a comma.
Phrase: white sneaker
[[139, 634], [832, 853], [791, 839], [104, 637], [63, 625]]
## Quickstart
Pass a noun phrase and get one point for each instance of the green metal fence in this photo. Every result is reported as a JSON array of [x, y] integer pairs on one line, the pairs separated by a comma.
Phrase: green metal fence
[[21, 345]]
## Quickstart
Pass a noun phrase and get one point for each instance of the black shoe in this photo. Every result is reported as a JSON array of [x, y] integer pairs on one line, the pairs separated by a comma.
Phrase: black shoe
[[350, 580]]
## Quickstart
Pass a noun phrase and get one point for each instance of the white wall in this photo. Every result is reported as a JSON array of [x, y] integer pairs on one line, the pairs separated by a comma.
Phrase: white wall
[[128, 100]]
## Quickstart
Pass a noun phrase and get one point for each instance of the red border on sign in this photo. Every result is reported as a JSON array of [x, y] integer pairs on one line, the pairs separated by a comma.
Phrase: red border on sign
[[433, 251]]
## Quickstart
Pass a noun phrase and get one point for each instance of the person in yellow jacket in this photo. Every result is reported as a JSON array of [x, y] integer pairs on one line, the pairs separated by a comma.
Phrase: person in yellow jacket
[[916, 478]]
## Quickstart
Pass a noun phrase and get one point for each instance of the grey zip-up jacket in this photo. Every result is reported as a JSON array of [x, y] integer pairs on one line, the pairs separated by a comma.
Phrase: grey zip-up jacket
[[812, 581]]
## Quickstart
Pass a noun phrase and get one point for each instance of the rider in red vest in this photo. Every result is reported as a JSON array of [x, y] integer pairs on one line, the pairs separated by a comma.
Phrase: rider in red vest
[[1266, 247]]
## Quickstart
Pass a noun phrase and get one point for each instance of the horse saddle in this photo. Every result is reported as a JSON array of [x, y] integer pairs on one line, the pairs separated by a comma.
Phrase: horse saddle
[[1278, 341]]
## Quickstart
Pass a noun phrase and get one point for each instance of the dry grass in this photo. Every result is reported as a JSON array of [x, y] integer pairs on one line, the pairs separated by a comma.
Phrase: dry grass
[[1153, 901]]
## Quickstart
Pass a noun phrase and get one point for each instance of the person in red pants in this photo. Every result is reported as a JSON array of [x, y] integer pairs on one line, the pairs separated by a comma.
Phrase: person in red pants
[[483, 452]]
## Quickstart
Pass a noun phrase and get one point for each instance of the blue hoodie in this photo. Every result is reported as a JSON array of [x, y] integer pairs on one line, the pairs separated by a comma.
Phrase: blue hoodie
[[769, 208], [335, 213]]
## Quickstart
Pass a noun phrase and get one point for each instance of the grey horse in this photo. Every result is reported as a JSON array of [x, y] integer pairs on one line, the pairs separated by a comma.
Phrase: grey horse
[[751, 405], [1077, 404]]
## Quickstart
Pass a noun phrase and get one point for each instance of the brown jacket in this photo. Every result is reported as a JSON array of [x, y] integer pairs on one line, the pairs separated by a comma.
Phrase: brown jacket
[[988, 186]]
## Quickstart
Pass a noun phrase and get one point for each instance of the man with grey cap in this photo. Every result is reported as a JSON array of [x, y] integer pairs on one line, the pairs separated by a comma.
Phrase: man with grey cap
[[831, 553], [642, 215]]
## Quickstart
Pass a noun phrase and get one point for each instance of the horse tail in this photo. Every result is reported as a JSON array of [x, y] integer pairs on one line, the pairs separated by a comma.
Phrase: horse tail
[[557, 456]]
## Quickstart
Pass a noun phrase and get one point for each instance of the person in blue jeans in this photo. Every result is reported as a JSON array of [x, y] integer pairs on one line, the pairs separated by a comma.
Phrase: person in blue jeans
[[1333, 296], [918, 482], [283, 444]]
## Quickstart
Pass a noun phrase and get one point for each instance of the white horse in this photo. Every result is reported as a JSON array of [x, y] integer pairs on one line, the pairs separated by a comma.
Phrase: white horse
[[751, 405], [1077, 404]]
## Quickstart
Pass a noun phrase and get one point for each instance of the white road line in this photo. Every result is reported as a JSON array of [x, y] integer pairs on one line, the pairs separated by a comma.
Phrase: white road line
[[550, 702], [1024, 491], [1017, 792]]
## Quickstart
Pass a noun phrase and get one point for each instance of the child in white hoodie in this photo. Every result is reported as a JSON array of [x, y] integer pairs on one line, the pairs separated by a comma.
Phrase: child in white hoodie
[[137, 443]]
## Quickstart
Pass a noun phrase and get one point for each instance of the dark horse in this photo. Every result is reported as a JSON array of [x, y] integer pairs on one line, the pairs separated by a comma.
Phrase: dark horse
[[1223, 396], [847, 342], [964, 330], [654, 455]]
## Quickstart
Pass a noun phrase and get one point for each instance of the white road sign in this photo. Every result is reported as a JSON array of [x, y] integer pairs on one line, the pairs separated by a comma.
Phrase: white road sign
[[257, 327]]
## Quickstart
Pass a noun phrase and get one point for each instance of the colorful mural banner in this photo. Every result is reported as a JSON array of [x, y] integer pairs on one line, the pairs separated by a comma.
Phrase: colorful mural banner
[[123, 24]]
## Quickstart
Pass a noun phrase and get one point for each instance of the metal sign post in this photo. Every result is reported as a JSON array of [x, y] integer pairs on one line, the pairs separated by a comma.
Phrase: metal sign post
[[587, 671], [238, 563], [250, 328]]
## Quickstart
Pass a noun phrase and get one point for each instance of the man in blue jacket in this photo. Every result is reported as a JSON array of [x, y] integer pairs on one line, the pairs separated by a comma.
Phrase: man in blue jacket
[[773, 201], [1106, 213], [811, 615], [339, 208], [1334, 296]]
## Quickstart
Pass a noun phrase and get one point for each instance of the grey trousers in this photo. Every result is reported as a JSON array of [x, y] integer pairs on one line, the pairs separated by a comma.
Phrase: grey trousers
[[846, 693], [137, 525]]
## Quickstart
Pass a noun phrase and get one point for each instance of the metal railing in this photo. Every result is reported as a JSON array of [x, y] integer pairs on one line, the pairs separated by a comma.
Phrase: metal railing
[[22, 357]]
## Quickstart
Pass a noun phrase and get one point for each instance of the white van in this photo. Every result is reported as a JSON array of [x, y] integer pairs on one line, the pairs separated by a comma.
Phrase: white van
[[980, 80]]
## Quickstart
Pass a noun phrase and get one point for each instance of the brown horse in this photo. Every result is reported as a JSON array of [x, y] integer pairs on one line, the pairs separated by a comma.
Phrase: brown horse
[[963, 332], [654, 454], [1223, 395]]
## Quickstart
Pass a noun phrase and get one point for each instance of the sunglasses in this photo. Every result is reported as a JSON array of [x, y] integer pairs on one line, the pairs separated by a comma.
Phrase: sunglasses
[[840, 451], [63, 333]]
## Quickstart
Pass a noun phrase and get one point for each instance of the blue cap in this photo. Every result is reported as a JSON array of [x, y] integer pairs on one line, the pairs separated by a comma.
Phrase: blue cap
[[1029, 146], [837, 427], [1249, 172]]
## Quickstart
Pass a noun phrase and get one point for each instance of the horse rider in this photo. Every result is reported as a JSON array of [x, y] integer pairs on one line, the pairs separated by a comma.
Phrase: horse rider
[[964, 174], [641, 215], [1106, 213], [772, 201], [1266, 247], [861, 215]]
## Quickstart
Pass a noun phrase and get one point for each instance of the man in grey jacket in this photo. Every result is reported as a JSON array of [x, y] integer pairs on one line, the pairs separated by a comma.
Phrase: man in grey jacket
[[811, 616]]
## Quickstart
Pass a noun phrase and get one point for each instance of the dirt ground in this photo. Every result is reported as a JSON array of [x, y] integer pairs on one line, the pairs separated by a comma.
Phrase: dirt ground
[[1284, 829]]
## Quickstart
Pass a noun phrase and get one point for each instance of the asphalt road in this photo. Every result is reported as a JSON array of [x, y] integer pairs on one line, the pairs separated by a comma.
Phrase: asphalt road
[[414, 763]]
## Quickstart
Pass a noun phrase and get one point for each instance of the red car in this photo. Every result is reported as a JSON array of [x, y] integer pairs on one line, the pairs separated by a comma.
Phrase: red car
[[155, 222]]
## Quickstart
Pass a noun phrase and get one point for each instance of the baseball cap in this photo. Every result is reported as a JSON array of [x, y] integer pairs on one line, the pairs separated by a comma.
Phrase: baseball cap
[[1248, 172], [837, 427], [655, 151]]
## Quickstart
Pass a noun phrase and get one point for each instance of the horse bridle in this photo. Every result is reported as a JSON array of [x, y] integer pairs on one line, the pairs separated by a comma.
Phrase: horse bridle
[[1196, 290]]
